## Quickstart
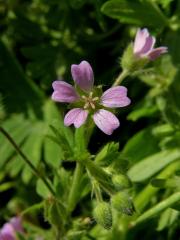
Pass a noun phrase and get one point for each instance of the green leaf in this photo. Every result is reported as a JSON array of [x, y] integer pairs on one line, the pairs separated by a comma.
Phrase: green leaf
[[142, 112], [19, 128], [60, 138], [21, 236], [19, 93], [167, 218], [33, 148], [80, 139], [42, 189], [158, 182], [141, 145], [164, 3], [143, 198], [62, 184], [5, 186], [77, 3], [76, 235], [103, 177], [163, 130], [14, 166], [141, 13], [41, 57], [107, 154], [152, 164], [53, 152], [63, 132]]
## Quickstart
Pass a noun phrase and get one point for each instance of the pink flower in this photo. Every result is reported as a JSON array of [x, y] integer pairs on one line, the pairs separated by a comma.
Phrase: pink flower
[[8, 231], [16, 223], [88, 101], [144, 46]]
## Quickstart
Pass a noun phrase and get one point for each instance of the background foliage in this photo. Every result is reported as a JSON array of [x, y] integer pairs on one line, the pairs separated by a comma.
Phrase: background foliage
[[40, 39]]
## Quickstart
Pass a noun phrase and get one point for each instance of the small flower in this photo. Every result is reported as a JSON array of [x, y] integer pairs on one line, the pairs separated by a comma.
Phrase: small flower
[[87, 100], [16, 223], [144, 46], [8, 231]]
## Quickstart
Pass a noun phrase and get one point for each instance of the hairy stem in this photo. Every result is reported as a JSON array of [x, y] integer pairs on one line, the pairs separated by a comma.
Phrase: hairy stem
[[121, 77], [75, 191]]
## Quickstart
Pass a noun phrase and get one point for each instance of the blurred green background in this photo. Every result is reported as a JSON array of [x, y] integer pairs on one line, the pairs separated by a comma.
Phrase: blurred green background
[[40, 39]]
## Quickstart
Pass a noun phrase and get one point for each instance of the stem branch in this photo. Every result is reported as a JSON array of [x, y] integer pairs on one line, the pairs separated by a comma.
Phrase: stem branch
[[158, 208]]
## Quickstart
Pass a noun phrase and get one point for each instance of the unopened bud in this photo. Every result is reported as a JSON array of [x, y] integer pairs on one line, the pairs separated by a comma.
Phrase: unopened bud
[[103, 215], [123, 203], [130, 62], [121, 182]]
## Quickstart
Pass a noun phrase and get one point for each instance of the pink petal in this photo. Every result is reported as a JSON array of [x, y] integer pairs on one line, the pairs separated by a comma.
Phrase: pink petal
[[6, 236], [76, 116], [83, 75], [64, 92], [7, 232], [140, 39], [106, 121], [157, 52], [16, 222], [148, 46], [115, 97]]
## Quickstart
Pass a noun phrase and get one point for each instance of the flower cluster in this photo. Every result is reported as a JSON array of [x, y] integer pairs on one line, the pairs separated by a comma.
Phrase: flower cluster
[[87, 99], [144, 46], [8, 231]]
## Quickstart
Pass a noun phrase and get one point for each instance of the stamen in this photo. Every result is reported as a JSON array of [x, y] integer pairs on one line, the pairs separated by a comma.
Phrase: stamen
[[86, 105], [95, 99], [90, 94], [89, 102], [84, 97], [92, 105]]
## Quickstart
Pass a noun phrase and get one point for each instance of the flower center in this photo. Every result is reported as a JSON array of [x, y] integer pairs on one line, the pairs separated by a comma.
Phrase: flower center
[[90, 101]]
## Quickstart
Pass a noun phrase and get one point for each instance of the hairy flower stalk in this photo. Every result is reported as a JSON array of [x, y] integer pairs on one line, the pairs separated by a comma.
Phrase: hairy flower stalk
[[87, 99]]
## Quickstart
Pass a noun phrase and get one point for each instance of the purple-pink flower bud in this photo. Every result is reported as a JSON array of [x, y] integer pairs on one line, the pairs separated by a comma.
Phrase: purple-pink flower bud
[[144, 46], [8, 231]]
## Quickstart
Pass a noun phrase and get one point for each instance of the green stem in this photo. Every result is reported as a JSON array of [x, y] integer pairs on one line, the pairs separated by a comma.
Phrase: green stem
[[58, 234], [120, 226], [26, 160], [158, 208], [145, 195], [75, 191], [121, 77]]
